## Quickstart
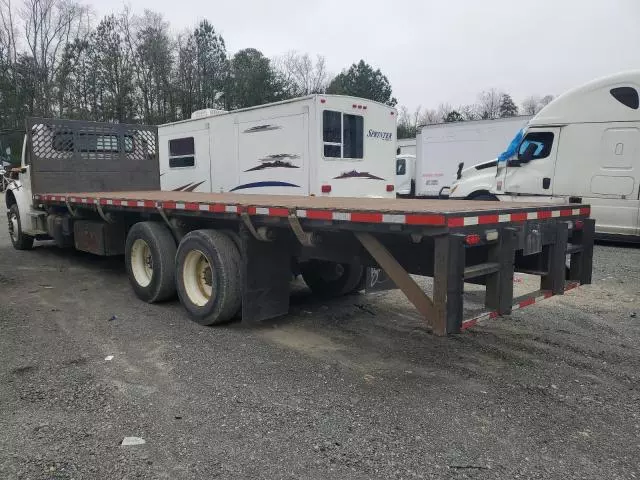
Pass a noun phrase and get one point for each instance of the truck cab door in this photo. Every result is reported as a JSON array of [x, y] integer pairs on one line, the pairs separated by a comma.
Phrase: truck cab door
[[531, 170]]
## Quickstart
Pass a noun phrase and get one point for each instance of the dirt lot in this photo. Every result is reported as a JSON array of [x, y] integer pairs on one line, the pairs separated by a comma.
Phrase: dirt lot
[[348, 389]]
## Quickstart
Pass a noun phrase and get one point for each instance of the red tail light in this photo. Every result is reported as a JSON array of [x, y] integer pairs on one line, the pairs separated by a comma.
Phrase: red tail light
[[326, 188], [472, 239], [390, 188]]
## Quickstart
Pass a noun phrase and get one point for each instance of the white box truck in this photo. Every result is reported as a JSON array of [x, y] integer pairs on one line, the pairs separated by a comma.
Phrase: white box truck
[[320, 145], [443, 147], [582, 147]]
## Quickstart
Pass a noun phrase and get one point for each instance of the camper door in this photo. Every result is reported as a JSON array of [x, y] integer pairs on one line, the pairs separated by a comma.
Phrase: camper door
[[531, 171], [273, 156]]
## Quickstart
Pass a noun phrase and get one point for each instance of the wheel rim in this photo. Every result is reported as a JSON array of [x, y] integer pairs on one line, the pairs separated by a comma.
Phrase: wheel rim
[[13, 227], [141, 263], [198, 278]]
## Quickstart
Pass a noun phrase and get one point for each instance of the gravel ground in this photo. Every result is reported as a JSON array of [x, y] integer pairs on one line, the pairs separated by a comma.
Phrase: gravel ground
[[353, 388]]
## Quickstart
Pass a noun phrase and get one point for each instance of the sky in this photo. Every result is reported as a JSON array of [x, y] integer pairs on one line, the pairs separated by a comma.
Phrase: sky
[[432, 51]]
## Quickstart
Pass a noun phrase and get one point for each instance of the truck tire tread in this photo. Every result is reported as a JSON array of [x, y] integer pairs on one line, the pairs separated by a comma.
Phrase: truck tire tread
[[21, 240], [224, 258], [163, 249]]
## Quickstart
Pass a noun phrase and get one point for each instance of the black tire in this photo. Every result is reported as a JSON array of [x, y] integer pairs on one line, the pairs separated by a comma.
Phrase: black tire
[[487, 197], [235, 236], [224, 275], [159, 248], [19, 240], [330, 279]]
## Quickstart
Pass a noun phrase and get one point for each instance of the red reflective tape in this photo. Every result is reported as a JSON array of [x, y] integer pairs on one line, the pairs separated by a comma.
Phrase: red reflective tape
[[585, 211], [544, 214], [132, 203], [217, 208], [493, 315], [527, 302], [485, 219], [103, 201], [469, 323], [319, 215], [519, 217], [424, 219], [363, 217], [251, 210], [191, 206], [278, 212], [169, 205], [149, 204], [566, 212], [456, 222], [117, 203]]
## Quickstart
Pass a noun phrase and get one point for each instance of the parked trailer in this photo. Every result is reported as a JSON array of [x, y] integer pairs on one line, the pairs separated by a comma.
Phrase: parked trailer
[[230, 254]]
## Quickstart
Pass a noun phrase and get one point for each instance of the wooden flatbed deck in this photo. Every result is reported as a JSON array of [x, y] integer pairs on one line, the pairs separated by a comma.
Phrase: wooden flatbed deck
[[450, 213]]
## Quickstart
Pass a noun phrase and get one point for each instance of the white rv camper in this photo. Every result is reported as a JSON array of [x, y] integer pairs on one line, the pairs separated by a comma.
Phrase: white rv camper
[[582, 147], [324, 145], [442, 147]]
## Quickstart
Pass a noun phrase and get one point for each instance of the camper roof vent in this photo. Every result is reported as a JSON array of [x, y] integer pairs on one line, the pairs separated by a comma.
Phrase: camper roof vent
[[207, 112]]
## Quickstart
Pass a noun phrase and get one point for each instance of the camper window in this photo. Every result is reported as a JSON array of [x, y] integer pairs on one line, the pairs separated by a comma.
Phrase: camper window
[[401, 166], [182, 152], [536, 145], [342, 135]]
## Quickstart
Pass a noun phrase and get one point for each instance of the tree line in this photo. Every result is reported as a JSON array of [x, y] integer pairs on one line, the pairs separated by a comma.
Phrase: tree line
[[491, 104], [58, 60]]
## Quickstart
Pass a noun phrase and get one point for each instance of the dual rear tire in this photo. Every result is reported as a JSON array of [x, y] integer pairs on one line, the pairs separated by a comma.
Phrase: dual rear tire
[[331, 279], [204, 270]]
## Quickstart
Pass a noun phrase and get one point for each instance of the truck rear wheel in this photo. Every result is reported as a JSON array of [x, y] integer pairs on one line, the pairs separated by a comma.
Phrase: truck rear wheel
[[150, 254], [209, 276], [331, 279], [19, 240]]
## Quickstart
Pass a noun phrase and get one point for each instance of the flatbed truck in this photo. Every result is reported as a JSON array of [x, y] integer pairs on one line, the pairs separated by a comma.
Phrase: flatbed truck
[[230, 255]]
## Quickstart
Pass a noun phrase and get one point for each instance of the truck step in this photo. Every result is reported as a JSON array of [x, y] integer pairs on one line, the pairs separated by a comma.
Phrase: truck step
[[531, 271], [36, 233], [481, 270], [37, 213]]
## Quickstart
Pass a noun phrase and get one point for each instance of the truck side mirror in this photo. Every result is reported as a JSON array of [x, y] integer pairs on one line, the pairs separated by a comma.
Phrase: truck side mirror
[[528, 154]]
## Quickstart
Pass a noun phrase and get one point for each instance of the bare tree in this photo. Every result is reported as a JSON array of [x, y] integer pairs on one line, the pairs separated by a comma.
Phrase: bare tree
[[531, 105], [428, 116], [489, 104], [444, 109], [469, 112], [49, 25], [546, 100], [301, 73], [8, 32]]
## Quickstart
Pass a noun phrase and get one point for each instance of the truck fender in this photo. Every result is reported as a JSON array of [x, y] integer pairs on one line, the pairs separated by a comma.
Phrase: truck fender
[[16, 194]]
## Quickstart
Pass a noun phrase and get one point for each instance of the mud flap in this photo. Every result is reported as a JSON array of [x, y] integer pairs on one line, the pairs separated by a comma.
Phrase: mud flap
[[267, 276]]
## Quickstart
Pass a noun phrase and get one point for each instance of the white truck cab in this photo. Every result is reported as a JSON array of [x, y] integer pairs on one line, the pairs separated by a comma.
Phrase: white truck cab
[[405, 175], [584, 147]]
